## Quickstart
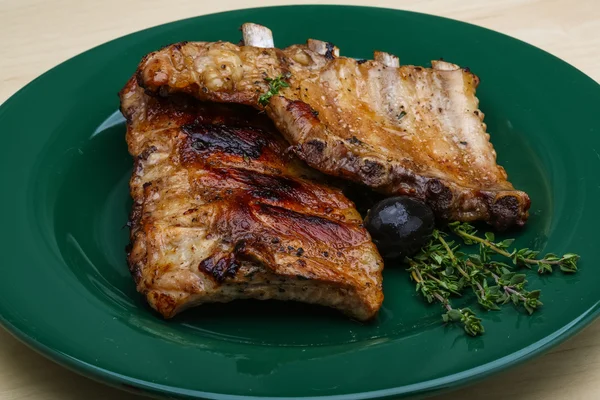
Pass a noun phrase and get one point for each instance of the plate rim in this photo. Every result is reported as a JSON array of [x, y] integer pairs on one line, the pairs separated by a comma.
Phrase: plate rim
[[448, 382]]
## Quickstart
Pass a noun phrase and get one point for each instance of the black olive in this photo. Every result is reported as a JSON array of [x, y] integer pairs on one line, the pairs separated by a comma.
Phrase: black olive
[[399, 226]]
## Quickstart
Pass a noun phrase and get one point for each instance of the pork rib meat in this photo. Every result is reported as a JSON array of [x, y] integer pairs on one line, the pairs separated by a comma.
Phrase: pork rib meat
[[398, 129], [222, 212]]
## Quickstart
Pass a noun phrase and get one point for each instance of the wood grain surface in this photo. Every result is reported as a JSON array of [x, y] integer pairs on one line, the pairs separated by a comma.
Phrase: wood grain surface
[[39, 34]]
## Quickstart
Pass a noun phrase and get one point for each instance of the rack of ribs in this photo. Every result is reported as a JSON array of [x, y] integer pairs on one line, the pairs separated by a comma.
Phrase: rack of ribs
[[398, 129], [222, 211]]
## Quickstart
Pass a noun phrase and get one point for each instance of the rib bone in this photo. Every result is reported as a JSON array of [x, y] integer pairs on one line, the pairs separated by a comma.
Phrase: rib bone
[[326, 49], [257, 36], [387, 59], [440, 65]]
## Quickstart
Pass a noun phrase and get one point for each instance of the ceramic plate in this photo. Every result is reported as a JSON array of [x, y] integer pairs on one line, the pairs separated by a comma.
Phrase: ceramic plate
[[66, 290]]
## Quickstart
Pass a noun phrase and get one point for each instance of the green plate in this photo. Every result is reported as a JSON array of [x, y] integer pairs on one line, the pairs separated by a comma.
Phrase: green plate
[[66, 291]]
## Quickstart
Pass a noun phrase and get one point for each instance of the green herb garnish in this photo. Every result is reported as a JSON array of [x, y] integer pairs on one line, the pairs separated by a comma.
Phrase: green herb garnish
[[524, 257], [442, 271], [275, 84]]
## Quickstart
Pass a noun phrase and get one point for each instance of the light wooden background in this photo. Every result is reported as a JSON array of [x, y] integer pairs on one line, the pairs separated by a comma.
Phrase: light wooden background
[[36, 35]]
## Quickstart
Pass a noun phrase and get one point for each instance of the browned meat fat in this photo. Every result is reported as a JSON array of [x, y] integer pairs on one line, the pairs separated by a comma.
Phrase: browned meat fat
[[222, 211], [398, 129]]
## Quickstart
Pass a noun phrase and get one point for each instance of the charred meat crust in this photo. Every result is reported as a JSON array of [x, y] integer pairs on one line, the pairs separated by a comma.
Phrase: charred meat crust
[[245, 142], [321, 150], [220, 267], [222, 211], [317, 228], [405, 130], [330, 49]]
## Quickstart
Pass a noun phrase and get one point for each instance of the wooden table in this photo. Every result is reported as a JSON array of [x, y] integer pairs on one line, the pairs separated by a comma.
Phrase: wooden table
[[39, 34]]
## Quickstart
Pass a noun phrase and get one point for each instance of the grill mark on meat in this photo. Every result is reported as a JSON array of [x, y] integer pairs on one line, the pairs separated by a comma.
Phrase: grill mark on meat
[[246, 142], [269, 187], [311, 226], [280, 190]]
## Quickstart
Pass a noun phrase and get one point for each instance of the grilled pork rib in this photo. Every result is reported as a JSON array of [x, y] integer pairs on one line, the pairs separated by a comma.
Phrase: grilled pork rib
[[222, 212], [398, 129]]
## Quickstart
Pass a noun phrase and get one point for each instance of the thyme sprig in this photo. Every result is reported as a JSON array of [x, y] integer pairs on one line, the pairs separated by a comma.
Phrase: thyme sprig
[[522, 257], [275, 84], [434, 289], [442, 271]]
